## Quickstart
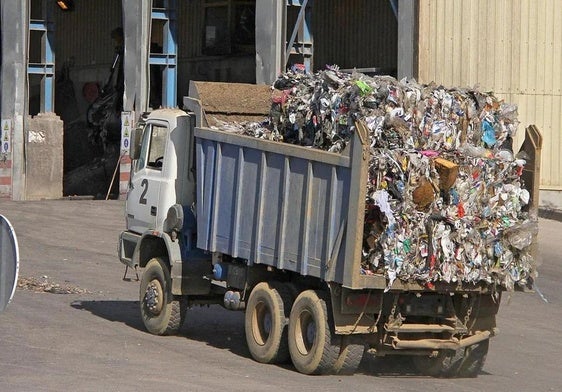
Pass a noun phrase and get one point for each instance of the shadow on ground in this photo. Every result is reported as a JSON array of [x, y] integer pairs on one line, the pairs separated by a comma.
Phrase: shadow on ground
[[224, 329], [126, 312], [214, 326]]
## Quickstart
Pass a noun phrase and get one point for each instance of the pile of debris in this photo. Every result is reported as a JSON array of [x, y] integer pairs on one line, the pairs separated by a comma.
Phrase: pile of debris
[[44, 286], [444, 199]]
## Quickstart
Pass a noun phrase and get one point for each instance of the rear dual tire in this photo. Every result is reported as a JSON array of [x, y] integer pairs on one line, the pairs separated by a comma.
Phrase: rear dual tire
[[313, 347], [280, 328], [266, 319]]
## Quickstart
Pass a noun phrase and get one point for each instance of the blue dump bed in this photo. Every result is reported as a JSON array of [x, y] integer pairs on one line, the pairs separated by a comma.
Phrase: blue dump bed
[[282, 205]]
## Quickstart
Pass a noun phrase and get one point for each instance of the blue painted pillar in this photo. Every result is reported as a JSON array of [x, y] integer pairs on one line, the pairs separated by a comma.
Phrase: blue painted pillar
[[46, 68], [168, 58]]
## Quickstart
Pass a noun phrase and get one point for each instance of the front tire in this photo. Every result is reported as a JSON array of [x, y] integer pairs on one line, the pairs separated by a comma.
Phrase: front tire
[[311, 342], [162, 313]]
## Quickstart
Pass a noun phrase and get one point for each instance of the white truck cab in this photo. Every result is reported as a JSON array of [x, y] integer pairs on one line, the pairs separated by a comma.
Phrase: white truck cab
[[161, 176], [159, 219]]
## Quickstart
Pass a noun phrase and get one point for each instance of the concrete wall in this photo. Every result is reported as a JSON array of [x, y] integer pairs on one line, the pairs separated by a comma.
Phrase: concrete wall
[[44, 156]]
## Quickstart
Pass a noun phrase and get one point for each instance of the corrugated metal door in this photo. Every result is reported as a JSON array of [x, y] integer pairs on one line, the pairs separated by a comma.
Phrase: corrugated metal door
[[512, 47]]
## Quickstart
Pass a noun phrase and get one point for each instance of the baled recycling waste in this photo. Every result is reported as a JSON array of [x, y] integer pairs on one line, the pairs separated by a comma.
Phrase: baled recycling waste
[[445, 201]]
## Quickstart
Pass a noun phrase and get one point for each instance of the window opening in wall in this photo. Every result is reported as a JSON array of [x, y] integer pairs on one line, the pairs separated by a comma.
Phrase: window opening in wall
[[35, 46], [156, 47], [229, 27], [34, 94], [36, 9], [244, 30]]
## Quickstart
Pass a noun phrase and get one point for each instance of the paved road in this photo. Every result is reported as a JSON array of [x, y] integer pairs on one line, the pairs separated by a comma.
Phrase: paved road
[[77, 326]]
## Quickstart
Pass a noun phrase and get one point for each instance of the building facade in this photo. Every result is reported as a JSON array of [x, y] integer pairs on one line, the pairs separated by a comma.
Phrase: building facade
[[56, 60]]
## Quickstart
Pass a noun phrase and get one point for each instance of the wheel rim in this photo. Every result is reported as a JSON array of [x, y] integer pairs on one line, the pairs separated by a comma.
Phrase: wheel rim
[[305, 332], [261, 323], [154, 297]]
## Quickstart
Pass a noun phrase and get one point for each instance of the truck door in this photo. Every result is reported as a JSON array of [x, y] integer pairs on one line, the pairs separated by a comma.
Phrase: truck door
[[143, 197]]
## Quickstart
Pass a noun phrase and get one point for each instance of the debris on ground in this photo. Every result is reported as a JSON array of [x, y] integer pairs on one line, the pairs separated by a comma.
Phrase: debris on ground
[[43, 285], [445, 199]]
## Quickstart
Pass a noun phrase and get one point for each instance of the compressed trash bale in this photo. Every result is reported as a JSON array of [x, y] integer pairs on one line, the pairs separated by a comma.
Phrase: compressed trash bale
[[444, 196]]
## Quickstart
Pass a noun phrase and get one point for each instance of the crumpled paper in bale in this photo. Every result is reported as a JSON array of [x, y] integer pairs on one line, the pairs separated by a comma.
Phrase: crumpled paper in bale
[[444, 196]]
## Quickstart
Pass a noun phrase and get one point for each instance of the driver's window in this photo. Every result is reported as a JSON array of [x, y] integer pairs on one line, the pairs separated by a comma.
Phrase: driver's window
[[157, 147], [152, 148]]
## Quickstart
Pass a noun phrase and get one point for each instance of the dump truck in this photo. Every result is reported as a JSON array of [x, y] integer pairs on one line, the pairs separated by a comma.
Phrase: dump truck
[[276, 230]]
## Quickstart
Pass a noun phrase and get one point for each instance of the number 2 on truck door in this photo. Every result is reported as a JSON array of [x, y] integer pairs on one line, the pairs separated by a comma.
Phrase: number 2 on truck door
[[149, 172]]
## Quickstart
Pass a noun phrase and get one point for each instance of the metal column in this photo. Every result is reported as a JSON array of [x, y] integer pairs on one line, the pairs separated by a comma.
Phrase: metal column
[[301, 41], [270, 40], [407, 16], [168, 57], [46, 67], [15, 26], [136, 26]]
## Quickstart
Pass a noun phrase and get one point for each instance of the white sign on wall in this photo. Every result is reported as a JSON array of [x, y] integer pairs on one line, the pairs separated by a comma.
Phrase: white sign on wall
[[6, 134], [126, 127]]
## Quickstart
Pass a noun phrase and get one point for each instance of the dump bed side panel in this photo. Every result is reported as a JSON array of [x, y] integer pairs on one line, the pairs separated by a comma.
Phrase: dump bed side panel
[[270, 203]]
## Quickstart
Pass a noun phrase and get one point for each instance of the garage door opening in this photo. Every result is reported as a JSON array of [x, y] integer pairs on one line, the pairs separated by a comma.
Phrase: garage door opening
[[89, 94]]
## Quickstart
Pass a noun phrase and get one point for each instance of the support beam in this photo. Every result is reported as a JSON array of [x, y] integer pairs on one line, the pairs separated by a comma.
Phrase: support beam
[[407, 39], [270, 40], [136, 28], [168, 58], [13, 79], [301, 41], [46, 68]]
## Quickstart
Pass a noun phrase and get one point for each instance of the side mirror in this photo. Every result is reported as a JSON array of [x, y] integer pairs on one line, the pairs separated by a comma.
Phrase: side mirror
[[136, 137], [9, 262]]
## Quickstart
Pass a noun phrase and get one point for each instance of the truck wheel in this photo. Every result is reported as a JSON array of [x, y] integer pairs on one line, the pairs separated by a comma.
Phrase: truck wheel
[[311, 342], [351, 354], [445, 364], [267, 312], [474, 359], [162, 313]]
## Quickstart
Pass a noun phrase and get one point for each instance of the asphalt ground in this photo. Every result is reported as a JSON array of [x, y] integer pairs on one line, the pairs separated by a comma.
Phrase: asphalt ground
[[74, 324]]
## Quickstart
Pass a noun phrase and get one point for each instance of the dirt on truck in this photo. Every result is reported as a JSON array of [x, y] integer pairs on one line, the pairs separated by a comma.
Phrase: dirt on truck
[[341, 212]]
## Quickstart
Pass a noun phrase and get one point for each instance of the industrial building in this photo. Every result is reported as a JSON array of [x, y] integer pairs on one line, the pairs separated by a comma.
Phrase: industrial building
[[65, 56]]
